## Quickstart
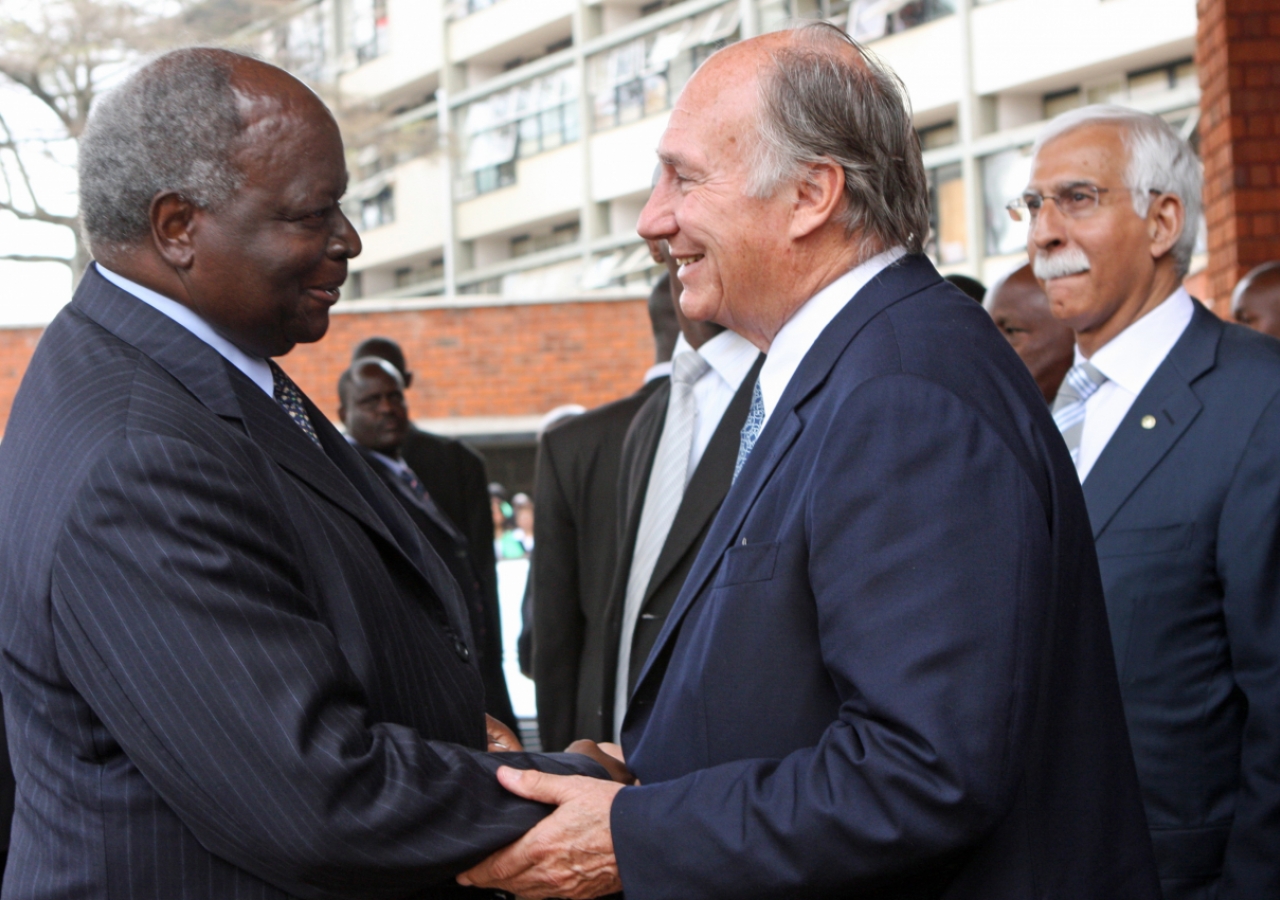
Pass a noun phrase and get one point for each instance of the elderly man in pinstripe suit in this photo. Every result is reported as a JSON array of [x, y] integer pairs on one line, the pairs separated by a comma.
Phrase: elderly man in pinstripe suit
[[231, 665]]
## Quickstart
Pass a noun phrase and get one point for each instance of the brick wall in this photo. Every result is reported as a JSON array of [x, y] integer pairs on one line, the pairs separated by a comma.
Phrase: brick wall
[[474, 361], [1238, 57]]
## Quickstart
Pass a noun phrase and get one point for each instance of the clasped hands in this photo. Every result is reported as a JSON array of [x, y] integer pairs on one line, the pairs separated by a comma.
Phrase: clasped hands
[[569, 853]]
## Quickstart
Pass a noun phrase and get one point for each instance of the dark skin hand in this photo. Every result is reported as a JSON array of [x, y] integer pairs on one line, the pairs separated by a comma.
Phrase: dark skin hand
[[501, 738]]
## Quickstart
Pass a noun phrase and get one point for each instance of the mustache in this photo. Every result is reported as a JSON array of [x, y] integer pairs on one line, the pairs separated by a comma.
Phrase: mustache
[[1067, 261]]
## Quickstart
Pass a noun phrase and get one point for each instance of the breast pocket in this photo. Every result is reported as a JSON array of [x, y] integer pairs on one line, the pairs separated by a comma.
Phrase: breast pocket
[[746, 563], [1143, 541]]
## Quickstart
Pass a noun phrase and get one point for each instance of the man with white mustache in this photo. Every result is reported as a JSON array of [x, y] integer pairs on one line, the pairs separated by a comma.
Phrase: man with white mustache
[[1173, 420]]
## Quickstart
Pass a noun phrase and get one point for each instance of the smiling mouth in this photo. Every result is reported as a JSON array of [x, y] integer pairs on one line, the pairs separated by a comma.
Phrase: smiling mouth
[[683, 261], [329, 295]]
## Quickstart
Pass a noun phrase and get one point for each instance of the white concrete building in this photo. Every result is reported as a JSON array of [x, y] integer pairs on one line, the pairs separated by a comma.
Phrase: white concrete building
[[505, 147]]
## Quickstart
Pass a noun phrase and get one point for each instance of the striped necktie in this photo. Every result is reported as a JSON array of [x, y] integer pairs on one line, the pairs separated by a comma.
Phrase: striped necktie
[[662, 498], [289, 397], [1069, 406], [750, 429]]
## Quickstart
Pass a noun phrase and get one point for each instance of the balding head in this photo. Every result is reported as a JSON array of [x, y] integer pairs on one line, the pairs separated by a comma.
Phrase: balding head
[[1021, 311], [787, 159], [1255, 302]]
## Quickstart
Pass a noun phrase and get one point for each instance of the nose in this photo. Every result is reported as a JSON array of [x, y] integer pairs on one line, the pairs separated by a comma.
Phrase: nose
[[344, 242], [1047, 229], [657, 219]]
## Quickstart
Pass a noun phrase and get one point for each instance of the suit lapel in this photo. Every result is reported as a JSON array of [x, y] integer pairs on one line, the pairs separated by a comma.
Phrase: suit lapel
[[1133, 450], [710, 482], [908, 276]]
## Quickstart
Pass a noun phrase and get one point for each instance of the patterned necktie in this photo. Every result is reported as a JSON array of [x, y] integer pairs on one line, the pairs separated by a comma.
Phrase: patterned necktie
[[750, 429], [667, 481], [1068, 407], [288, 396]]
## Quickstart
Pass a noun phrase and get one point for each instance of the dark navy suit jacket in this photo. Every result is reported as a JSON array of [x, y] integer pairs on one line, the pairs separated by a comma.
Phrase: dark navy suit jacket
[[1187, 520], [231, 666], [889, 672]]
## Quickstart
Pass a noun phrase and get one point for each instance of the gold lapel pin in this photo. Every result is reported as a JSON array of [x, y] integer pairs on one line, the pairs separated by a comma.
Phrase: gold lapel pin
[[1148, 422]]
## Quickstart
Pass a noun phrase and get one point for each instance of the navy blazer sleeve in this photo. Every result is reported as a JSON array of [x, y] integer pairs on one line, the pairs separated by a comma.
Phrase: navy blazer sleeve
[[921, 558], [1248, 550], [179, 618]]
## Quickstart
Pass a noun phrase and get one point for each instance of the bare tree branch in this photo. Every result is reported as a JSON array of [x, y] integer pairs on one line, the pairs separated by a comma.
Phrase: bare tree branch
[[35, 257]]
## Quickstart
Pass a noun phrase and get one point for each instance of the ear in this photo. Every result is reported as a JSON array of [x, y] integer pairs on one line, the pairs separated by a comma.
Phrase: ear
[[173, 220], [1165, 222], [819, 193]]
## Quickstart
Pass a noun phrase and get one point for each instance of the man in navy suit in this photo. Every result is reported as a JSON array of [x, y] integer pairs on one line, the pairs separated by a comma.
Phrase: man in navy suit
[[1173, 421], [232, 667], [888, 673]]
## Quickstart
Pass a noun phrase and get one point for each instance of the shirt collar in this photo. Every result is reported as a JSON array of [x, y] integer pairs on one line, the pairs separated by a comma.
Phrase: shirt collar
[[794, 339], [254, 367], [1132, 356], [730, 355], [658, 370], [399, 466]]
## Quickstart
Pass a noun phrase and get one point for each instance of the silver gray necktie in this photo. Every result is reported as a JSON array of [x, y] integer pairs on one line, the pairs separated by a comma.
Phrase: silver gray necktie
[[667, 481], [1068, 407]]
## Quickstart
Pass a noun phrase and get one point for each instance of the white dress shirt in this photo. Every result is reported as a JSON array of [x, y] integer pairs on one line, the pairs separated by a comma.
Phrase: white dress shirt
[[254, 367], [658, 370], [1128, 360], [730, 357], [792, 343]]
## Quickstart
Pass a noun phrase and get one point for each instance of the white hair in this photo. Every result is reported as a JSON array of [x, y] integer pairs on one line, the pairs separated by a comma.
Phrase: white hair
[[1159, 160]]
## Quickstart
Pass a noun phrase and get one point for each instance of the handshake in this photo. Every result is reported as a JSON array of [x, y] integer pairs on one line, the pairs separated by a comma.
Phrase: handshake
[[569, 853]]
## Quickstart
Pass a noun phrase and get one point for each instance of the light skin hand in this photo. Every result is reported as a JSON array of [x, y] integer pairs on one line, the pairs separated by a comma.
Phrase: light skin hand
[[501, 738], [569, 853]]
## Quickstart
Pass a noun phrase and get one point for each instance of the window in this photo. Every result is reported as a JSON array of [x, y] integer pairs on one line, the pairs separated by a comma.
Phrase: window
[[1057, 103], [948, 239], [559, 235], [369, 34], [300, 44], [872, 19], [530, 118], [935, 136], [1004, 176], [380, 209], [642, 77]]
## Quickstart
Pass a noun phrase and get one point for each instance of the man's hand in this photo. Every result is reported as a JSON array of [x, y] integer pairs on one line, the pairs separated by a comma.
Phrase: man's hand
[[501, 738], [569, 853], [608, 756]]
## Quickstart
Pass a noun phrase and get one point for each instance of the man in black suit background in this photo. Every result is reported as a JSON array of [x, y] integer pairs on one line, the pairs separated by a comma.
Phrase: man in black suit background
[[576, 498], [373, 409], [232, 667], [455, 477], [677, 465], [1173, 421]]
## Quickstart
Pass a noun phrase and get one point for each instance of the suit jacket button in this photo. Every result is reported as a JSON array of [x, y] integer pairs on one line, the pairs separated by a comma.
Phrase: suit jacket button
[[461, 647]]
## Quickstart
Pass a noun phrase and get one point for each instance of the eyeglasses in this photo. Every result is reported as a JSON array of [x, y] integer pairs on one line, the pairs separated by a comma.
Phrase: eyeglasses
[[1077, 201]]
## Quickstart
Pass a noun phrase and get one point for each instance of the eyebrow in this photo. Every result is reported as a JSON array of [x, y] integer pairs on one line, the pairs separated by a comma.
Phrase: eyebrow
[[672, 159]]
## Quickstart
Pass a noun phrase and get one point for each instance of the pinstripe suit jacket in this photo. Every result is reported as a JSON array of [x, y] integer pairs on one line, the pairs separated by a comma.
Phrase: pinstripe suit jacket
[[231, 666]]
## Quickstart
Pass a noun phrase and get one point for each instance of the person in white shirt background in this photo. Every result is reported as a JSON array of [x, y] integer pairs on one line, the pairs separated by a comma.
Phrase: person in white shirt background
[[1173, 421]]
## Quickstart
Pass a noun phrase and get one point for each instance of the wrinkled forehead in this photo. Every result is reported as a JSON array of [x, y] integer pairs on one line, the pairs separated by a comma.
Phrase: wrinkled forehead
[[1090, 154]]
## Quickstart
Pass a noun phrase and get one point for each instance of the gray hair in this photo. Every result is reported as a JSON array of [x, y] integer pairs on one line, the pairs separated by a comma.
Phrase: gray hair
[[171, 126], [816, 106], [1159, 160]]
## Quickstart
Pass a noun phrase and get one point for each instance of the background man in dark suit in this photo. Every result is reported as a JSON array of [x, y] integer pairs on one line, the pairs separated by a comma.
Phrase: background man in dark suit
[[1021, 311], [1255, 303], [677, 464], [888, 673], [231, 665], [1173, 421], [373, 409], [576, 498], [455, 477]]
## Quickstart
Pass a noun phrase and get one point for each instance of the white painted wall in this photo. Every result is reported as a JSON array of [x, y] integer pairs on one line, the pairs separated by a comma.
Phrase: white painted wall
[[547, 185], [501, 23], [420, 211], [415, 50]]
